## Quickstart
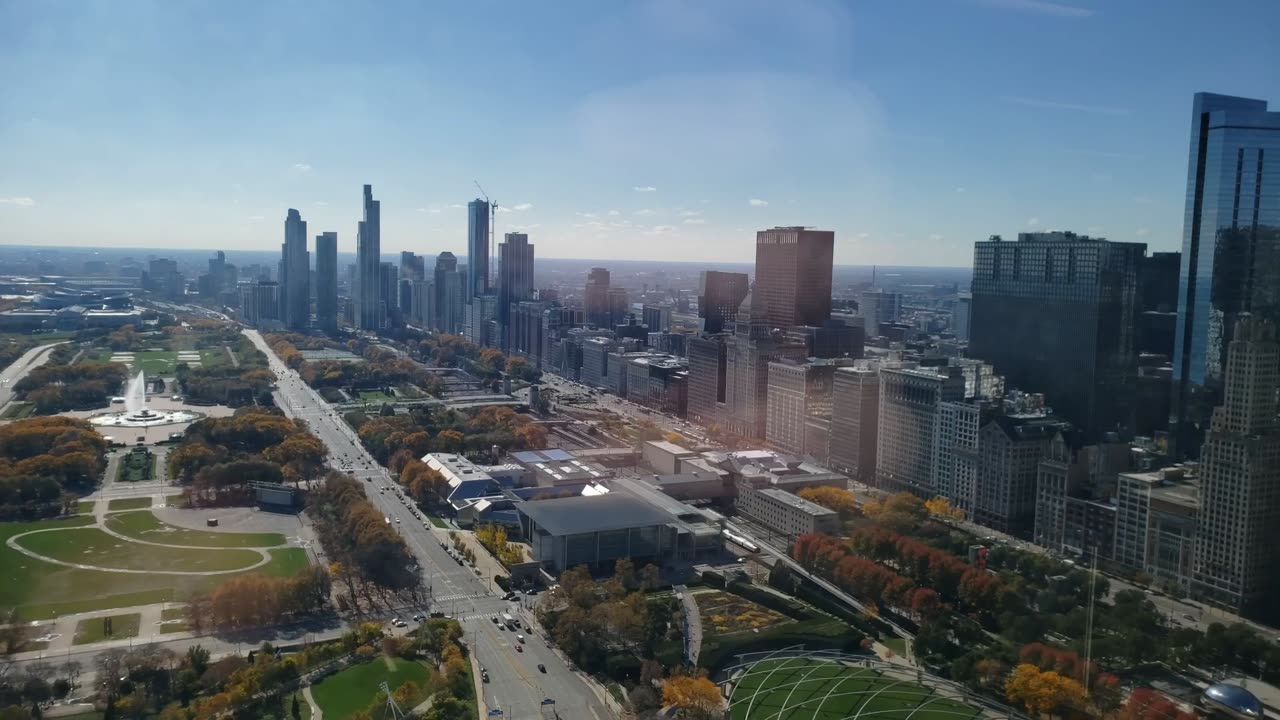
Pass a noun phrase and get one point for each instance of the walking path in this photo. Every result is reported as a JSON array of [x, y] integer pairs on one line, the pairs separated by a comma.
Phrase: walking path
[[693, 624], [316, 712], [12, 542]]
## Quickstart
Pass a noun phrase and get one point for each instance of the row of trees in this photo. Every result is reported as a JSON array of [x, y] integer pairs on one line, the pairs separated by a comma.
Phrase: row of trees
[[430, 429], [219, 458], [55, 388], [609, 624], [229, 384], [494, 539], [254, 600], [368, 554], [45, 463]]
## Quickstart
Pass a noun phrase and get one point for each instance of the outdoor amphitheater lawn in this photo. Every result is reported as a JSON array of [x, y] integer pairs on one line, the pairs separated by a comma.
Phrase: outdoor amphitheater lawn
[[348, 692], [802, 688], [144, 525]]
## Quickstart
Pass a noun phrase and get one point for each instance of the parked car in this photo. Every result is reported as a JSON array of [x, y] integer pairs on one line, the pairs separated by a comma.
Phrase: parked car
[[542, 668]]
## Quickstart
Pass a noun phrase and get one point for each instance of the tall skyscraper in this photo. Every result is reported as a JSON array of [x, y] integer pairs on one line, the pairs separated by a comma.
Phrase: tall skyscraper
[[751, 348], [855, 415], [295, 273], [515, 279], [708, 373], [477, 247], [449, 301], [412, 266], [1237, 561], [1230, 249], [1055, 313], [327, 281], [793, 274], [879, 306], [619, 306], [370, 311], [909, 423], [719, 295], [960, 314], [595, 298], [389, 285]]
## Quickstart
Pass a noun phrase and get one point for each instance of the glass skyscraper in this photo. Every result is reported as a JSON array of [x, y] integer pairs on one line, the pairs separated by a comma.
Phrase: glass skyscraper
[[1230, 250], [478, 247]]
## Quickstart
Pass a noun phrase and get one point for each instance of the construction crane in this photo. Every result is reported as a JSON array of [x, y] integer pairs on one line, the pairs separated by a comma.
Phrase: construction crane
[[493, 250]]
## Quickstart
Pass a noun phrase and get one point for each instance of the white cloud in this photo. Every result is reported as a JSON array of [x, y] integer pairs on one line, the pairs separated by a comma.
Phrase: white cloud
[[694, 221], [645, 188], [1093, 229], [661, 229], [521, 207], [434, 211], [321, 203], [1143, 232], [457, 205], [423, 210], [688, 213], [1033, 222], [587, 215], [960, 189], [1060, 105], [935, 237], [527, 228], [302, 167], [645, 211], [1039, 7], [613, 213], [863, 236], [19, 201], [757, 202]]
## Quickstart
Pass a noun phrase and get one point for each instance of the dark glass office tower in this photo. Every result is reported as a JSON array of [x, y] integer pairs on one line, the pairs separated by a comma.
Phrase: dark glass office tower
[[1230, 250], [719, 295], [295, 273], [793, 274], [370, 313], [327, 281], [477, 247], [515, 279], [1055, 313]]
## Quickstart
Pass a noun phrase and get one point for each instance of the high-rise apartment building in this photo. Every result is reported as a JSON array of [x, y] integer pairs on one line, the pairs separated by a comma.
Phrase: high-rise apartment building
[[879, 306], [412, 266], [449, 297], [389, 285], [477, 248], [793, 274], [1055, 313], [515, 280], [260, 303], [1230, 250], [960, 314], [956, 471], [719, 295], [855, 416], [595, 299], [656, 317], [619, 303], [295, 273], [327, 281], [909, 428], [1237, 563], [370, 309]]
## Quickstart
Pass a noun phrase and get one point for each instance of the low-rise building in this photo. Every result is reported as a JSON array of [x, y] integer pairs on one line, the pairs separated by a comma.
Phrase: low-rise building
[[664, 456], [789, 514], [1156, 514]]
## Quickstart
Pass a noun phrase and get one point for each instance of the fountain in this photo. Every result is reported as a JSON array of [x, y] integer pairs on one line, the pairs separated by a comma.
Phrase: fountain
[[137, 414]]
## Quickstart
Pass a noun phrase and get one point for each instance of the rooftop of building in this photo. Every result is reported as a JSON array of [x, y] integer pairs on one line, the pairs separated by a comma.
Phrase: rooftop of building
[[797, 502], [1177, 484], [670, 447], [529, 457], [593, 513]]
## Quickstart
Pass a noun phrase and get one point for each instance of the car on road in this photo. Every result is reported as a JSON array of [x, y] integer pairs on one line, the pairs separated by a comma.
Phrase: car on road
[[520, 648], [542, 668]]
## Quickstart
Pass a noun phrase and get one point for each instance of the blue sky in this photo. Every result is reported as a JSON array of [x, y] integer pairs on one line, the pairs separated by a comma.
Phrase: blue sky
[[646, 129]]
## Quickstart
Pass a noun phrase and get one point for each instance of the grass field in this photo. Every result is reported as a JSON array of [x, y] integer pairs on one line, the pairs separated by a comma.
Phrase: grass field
[[374, 396], [85, 506], [129, 503], [815, 689], [346, 693], [92, 546], [18, 410], [136, 467], [94, 629], [161, 362], [177, 618], [41, 590], [144, 525]]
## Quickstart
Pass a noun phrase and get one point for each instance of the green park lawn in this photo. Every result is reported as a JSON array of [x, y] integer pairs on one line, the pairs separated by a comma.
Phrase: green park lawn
[[144, 525], [93, 630], [346, 693], [41, 590], [92, 546], [162, 362], [85, 506], [809, 689], [175, 620], [18, 410], [136, 468], [374, 396], [129, 503]]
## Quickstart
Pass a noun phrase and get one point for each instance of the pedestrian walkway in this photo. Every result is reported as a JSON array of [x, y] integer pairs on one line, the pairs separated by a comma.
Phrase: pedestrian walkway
[[316, 712]]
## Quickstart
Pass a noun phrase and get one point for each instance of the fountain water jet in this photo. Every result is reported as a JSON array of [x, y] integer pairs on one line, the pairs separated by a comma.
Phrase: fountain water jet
[[136, 413]]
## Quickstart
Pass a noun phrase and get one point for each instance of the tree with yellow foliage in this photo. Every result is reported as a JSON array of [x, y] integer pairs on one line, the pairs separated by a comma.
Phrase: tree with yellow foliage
[[693, 697], [941, 507], [1043, 692], [832, 498]]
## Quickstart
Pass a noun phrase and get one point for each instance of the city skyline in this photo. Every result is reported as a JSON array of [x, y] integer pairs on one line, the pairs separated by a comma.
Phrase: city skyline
[[613, 151]]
